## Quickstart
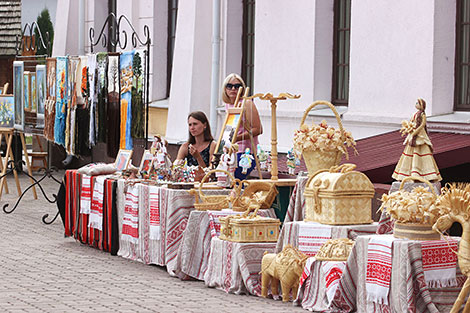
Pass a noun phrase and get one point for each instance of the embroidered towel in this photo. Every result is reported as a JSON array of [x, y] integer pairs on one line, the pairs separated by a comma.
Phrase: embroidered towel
[[307, 270], [130, 219], [333, 270], [379, 268], [85, 195], [96, 214], [154, 203], [439, 263], [312, 236]]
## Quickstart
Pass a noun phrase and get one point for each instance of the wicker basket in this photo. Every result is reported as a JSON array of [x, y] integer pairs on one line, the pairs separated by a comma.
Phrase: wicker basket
[[257, 195], [339, 196], [316, 159], [415, 231], [211, 202]]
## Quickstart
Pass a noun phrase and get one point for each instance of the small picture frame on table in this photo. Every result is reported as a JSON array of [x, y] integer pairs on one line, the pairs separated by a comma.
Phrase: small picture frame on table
[[146, 162], [123, 159]]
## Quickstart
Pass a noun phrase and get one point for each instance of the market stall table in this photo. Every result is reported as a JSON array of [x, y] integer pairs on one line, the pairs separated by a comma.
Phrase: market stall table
[[296, 208], [408, 290], [194, 250], [235, 266]]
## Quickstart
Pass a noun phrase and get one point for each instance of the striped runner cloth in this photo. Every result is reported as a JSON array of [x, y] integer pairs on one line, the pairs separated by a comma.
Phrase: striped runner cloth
[[130, 219], [379, 268]]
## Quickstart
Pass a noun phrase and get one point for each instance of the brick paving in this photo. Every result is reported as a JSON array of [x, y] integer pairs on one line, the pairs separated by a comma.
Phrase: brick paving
[[41, 271]]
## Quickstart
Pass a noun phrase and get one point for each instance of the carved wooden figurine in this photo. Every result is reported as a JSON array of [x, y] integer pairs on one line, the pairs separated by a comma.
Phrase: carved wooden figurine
[[286, 267]]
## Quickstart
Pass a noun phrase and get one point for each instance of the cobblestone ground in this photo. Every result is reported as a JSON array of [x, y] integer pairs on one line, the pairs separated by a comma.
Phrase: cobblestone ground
[[41, 271]]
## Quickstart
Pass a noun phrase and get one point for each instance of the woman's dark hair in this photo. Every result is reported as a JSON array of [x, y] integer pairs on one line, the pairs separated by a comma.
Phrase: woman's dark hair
[[201, 117]]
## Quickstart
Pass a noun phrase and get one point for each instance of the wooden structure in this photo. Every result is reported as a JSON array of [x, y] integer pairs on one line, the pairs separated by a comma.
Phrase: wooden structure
[[270, 97], [8, 134]]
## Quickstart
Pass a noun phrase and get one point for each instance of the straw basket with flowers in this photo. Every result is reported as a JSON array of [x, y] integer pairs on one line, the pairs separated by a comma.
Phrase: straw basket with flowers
[[322, 146], [414, 212]]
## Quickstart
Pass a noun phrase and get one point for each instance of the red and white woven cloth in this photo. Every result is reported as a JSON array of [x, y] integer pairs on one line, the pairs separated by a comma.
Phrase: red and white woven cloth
[[312, 236], [214, 222], [154, 204], [439, 263], [96, 213], [379, 268], [130, 219], [85, 195], [332, 271], [307, 270]]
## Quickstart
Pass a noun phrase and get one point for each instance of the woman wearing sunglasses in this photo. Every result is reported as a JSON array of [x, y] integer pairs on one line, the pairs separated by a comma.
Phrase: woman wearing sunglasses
[[230, 87]]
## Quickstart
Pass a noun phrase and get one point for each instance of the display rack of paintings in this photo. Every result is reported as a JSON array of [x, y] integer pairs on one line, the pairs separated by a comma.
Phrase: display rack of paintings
[[31, 93]]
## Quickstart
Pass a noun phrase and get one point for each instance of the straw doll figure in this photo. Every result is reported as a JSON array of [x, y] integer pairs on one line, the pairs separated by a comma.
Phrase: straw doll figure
[[227, 163], [417, 159]]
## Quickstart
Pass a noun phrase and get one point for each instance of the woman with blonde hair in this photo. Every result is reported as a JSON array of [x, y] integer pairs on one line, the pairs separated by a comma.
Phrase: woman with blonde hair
[[230, 88]]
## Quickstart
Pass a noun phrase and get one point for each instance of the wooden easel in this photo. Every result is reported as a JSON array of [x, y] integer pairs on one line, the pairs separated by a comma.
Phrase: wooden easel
[[8, 133]]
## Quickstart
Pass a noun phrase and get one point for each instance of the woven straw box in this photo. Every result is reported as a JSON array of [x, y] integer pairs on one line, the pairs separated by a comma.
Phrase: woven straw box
[[259, 229], [339, 198]]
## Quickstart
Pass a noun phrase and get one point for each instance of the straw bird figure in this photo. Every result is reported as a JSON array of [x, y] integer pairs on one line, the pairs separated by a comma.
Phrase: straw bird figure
[[454, 202]]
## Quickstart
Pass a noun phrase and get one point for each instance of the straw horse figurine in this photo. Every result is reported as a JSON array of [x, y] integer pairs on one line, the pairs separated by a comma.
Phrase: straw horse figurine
[[286, 267], [454, 202]]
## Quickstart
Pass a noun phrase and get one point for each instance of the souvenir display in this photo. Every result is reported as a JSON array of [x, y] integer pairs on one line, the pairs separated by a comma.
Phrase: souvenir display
[[256, 195], [61, 100], [285, 267], [249, 227], [339, 196], [123, 159], [263, 158], [320, 145], [335, 250], [113, 113], [227, 163], [416, 159], [145, 164], [159, 151], [245, 161], [454, 206], [414, 212], [49, 109], [291, 162], [125, 65], [212, 202]]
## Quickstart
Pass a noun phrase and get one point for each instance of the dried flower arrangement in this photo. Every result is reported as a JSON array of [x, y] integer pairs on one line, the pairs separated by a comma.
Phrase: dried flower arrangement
[[418, 206], [321, 137]]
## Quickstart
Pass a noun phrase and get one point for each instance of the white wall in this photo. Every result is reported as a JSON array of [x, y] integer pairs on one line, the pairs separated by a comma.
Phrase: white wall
[[293, 53], [190, 85], [400, 51]]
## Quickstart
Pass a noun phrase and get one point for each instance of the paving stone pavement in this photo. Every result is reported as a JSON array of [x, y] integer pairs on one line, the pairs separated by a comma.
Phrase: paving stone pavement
[[41, 271]]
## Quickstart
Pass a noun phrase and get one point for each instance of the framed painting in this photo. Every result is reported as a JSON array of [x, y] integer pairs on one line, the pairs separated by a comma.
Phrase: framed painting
[[41, 92], [123, 159], [18, 94], [34, 96], [232, 121], [51, 78], [27, 91], [146, 162], [7, 111]]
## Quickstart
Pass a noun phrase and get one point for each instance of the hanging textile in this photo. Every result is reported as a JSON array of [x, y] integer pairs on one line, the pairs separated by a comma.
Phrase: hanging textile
[[72, 98], [92, 98], [114, 111], [61, 103], [126, 60], [102, 69], [49, 109], [138, 110], [82, 124]]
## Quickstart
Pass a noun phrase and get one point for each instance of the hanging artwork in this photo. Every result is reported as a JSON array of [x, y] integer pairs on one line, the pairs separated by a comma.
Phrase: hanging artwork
[[126, 60], [114, 111], [61, 102], [18, 91], [71, 107], [27, 91], [92, 99], [102, 69], [7, 111], [34, 96], [49, 106], [41, 93], [138, 112]]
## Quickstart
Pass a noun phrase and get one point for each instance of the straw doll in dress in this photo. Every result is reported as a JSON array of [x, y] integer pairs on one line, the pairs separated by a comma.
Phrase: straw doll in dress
[[228, 163], [416, 159]]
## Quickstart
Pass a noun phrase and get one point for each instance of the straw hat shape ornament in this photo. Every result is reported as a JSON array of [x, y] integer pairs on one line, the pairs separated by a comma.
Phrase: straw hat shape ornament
[[417, 159]]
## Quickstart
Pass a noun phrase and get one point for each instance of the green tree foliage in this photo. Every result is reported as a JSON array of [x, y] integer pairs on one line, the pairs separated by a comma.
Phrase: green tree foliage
[[45, 25]]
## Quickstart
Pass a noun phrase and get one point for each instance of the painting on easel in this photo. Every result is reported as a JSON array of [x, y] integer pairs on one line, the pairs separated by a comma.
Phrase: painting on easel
[[7, 111], [18, 94], [231, 122], [41, 92]]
